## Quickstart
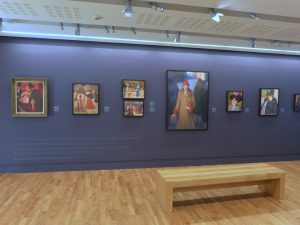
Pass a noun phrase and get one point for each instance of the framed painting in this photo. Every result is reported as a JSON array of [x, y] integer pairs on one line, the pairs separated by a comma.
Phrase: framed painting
[[133, 89], [296, 102], [29, 97], [85, 98], [187, 100], [268, 101], [234, 101], [133, 108]]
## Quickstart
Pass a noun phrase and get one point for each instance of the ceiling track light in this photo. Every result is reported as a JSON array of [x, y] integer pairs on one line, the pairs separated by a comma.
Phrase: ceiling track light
[[255, 17], [113, 29], [252, 43], [61, 24], [77, 29], [107, 29], [177, 37], [1, 24], [168, 34], [133, 30], [156, 7], [215, 16], [281, 43], [128, 12]]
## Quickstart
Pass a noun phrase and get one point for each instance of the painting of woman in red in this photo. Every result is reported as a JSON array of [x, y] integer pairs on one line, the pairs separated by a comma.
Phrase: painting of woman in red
[[187, 100], [29, 97], [184, 109]]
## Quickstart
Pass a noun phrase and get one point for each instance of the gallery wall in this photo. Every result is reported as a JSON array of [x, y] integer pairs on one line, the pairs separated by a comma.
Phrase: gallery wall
[[63, 141]]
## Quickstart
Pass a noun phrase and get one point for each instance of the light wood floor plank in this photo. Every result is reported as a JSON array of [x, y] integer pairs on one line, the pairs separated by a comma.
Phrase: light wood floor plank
[[128, 197]]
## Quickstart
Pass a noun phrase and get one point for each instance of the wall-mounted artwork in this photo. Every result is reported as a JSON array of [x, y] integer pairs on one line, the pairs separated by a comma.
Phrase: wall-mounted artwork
[[187, 100], [235, 101], [297, 102], [133, 89], [85, 99], [133, 108], [269, 102], [29, 97]]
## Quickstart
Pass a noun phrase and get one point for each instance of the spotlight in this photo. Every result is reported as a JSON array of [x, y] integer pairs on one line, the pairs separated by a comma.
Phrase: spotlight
[[61, 24], [252, 43], [168, 34], [106, 28], [1, 24], [77, 30], [255, 17], [178, 37], [127, 12], [133, 30], [214, 15], [156, 7]]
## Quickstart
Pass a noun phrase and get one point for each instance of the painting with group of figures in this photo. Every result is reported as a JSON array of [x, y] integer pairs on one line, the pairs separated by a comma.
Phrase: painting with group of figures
[[133, 98], [187, 100], [85, 99]]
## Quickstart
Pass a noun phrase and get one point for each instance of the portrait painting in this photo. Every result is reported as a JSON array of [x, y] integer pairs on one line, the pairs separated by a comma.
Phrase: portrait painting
[[133, 89], [235, 101], [269, 102], [85, 99], [296, 102], [187, 100], [29, 97], [133, 108]]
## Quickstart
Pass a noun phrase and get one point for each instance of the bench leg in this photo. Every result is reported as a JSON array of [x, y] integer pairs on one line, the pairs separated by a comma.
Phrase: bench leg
[[274, 188], [165, 195]]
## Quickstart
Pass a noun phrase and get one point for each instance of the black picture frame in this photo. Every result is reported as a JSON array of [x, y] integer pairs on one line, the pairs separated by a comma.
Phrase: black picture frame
[[124, 96], [133, 101], [263, 110], [241, 107], [201, 124], [296, 102], [97, 96]]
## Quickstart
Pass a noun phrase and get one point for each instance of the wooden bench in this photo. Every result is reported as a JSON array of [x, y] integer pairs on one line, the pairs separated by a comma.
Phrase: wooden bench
[[270, 179]]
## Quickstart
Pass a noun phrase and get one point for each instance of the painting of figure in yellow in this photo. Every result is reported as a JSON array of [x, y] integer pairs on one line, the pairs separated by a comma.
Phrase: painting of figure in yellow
[[133, 89], [85, 99], [187, 100]]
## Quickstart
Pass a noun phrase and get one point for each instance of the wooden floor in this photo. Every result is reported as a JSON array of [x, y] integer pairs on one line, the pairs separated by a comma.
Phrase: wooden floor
[[127, 197]]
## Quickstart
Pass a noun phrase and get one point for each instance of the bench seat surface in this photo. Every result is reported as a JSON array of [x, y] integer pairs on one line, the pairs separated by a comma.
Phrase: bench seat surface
[[215, 174]]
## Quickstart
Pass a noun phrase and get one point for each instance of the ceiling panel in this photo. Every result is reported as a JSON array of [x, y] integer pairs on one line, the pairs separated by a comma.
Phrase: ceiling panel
[[190, 17]]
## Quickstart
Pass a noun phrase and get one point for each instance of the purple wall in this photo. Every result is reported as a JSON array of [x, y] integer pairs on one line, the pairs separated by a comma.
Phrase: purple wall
[[66, 142]]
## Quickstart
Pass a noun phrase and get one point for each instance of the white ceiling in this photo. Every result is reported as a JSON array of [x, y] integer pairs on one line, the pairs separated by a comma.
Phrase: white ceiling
[[279, 27]]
